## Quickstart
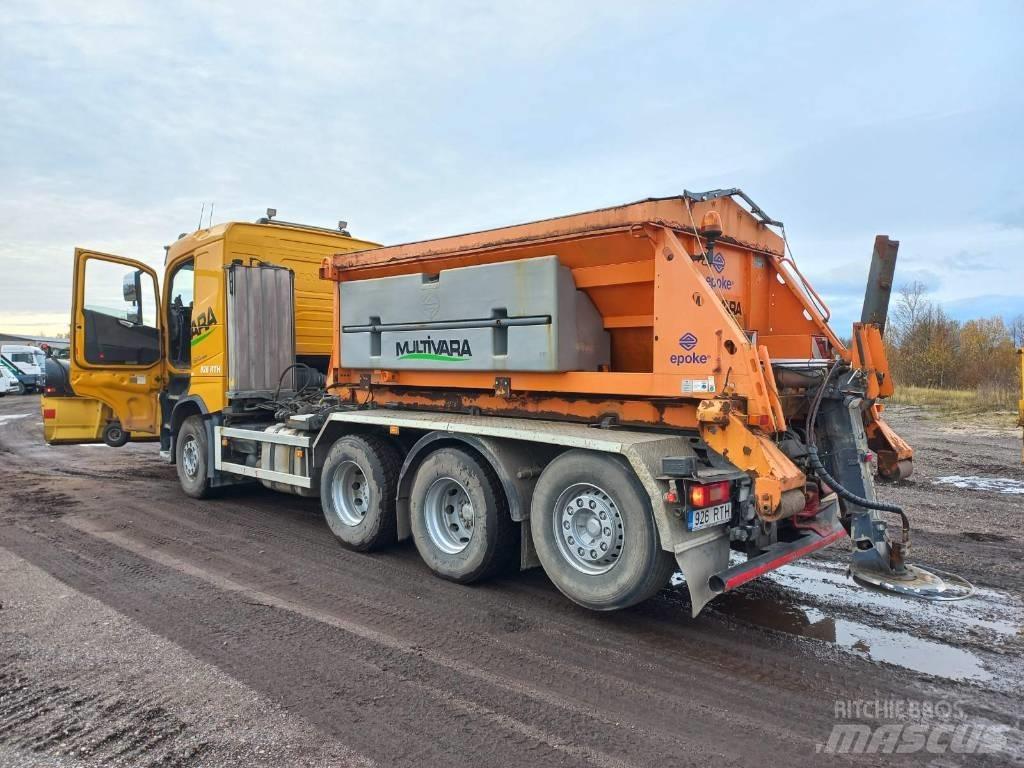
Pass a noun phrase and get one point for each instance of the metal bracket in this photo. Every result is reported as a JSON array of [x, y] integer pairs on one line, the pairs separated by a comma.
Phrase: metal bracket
[[715, 194]]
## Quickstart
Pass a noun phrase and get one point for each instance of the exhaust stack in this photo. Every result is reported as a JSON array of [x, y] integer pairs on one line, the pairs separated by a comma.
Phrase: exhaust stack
[[880, 277]]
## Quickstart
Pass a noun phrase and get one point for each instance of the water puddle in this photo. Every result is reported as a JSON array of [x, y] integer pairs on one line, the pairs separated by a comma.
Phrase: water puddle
[[904, 650], [986, 612], [821, 602], [11, 417], [978, 483]]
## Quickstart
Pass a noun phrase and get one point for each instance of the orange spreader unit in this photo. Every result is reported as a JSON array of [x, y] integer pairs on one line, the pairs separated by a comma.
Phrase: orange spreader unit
[[685, 324], [696, 315]]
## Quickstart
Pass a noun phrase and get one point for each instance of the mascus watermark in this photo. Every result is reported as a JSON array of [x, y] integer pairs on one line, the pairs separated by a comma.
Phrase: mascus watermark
[[936, 727]]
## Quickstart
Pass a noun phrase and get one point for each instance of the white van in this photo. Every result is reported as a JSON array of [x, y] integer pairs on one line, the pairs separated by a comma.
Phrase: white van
[[31, 361], [8, 382]]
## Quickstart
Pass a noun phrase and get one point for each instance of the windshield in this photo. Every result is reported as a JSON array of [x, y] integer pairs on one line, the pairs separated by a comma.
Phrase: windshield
[[23, 357]]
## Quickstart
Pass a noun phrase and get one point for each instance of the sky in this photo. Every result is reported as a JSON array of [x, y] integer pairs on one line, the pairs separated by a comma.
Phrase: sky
[[119, 121]]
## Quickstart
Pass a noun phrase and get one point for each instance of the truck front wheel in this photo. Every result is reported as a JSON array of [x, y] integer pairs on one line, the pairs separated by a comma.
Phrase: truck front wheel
[[594, 532], [358, 487], [191, 457], [459, 517]]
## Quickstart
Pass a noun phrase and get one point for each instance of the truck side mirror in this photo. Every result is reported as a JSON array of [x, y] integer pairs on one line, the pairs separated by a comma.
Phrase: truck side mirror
[[131, 288]]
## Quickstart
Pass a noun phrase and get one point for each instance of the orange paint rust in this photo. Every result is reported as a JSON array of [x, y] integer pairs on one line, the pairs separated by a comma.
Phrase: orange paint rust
[[633, 412]]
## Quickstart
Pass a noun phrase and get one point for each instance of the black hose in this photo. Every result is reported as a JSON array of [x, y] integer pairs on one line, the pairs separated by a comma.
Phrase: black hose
[[280, 380], [819, 468]]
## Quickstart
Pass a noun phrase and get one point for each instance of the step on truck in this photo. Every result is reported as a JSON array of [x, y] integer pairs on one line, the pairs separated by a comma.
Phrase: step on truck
[[611, 395]]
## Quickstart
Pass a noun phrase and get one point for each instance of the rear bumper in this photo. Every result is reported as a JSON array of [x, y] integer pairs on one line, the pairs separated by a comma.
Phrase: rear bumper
[[827, 530]]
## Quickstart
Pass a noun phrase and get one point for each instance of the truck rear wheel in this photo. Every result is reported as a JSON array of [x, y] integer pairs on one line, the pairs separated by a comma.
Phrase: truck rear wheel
[[115, 435], [594, 532], [460, 518], [358, 486], [191, 457]]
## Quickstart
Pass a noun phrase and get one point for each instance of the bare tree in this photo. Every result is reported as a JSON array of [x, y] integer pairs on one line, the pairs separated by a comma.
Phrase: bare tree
[[911, 304], [1017, 330]]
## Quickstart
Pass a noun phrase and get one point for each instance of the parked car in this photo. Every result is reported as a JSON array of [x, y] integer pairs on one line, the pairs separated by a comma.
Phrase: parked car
[[9, 383], [28, 365]]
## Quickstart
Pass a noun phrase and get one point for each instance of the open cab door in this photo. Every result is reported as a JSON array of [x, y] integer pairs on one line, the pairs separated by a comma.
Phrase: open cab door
[[116, 366]]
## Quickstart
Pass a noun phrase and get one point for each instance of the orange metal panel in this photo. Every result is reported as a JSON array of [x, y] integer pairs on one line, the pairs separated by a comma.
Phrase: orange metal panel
[[614, 274], [629, 321]]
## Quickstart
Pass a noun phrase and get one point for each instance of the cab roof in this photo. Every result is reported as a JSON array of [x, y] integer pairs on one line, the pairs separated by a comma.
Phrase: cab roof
[[187, 243]]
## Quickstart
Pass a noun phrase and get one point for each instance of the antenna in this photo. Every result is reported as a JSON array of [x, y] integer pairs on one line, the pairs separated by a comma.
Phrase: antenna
[[201, 212], [211, 213]]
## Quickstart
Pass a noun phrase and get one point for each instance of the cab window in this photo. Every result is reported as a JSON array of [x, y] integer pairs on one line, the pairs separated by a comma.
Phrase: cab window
[[179, 314], [119, 315]]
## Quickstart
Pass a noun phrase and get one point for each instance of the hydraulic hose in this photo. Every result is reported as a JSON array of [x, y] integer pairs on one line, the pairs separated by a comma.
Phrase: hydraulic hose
[[819, 468]]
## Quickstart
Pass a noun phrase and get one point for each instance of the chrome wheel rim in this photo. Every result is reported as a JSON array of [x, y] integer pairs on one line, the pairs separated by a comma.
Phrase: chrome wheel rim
[[350, 493], [588, 529], [190, 457], [449, 516]]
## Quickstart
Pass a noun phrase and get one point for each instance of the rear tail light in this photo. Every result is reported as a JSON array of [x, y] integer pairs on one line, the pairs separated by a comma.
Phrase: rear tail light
[[711, 493], [49, 413]]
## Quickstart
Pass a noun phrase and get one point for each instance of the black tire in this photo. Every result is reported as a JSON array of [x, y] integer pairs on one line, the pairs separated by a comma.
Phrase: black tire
[[114, 435], [475, 542], [192, 467], [615, 558], [358, 488], [20, 390]]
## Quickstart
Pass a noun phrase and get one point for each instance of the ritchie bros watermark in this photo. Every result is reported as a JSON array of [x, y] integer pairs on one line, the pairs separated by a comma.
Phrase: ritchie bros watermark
[[910, 726]]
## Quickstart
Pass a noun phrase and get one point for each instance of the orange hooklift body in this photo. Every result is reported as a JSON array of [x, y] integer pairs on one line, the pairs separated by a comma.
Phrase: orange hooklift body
[[672, 317], [692, 335]]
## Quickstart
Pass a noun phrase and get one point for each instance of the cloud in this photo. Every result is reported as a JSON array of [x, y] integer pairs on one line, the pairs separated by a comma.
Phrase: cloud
[[1007, 306], [121, 119]]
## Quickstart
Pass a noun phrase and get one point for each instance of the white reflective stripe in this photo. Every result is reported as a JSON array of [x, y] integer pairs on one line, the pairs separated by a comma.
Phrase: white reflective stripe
[[300, 441], [264, 474], [529, 430]]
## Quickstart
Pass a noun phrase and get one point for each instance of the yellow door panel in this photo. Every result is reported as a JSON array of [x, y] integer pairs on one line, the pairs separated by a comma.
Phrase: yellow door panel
[[74, 419], [116, 349]]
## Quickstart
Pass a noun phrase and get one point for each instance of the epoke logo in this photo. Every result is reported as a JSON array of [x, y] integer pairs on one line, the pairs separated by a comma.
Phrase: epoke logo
[[688, 341], [718, 262]]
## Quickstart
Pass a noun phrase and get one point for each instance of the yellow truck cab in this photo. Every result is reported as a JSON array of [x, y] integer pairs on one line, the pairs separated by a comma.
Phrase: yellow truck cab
[[143, 361]]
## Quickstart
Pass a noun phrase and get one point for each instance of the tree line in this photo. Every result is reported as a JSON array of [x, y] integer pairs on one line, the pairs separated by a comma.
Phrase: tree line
[[927, 348]]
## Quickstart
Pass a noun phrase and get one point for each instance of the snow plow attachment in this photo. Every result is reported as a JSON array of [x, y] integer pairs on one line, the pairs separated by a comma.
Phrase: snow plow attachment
[[838, 456]]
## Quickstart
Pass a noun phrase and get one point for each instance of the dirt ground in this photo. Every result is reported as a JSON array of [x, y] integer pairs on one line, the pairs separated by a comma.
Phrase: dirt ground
[[142, 628]]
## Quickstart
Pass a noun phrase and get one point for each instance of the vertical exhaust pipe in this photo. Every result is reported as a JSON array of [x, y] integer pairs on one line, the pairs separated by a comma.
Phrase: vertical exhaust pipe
[[880, 277]]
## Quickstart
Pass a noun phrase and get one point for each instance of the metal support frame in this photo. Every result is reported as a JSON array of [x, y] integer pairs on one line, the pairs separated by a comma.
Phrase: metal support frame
[[715, 194], [259, 436]]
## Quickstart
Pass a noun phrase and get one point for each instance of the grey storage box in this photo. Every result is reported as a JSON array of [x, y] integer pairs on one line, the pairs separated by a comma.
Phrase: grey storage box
[[521, 315]]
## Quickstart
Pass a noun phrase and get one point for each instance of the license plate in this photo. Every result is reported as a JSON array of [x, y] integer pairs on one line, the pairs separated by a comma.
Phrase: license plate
[[697, 519]]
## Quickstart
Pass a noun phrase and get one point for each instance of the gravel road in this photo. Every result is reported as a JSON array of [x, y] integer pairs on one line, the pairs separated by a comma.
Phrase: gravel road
[[139, 627]]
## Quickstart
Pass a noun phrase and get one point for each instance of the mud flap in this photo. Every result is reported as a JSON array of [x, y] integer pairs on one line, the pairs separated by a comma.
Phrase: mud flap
[[698, 564]]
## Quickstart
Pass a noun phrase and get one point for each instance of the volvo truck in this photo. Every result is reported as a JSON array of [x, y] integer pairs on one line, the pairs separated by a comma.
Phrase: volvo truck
[[611, 395]]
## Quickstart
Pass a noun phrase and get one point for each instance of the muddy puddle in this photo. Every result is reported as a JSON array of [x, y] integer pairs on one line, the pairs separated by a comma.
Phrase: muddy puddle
[[977, 639], [979, 483]]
